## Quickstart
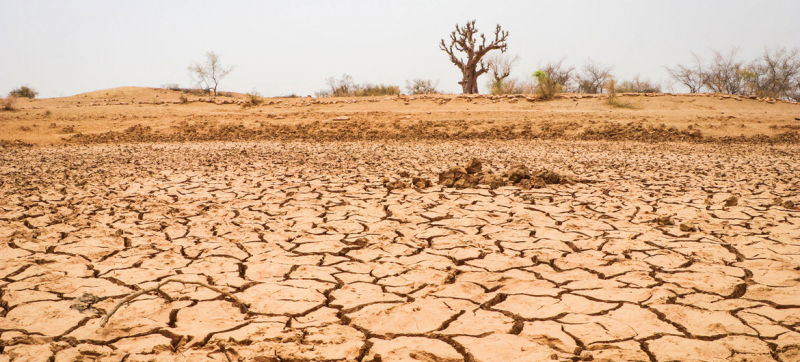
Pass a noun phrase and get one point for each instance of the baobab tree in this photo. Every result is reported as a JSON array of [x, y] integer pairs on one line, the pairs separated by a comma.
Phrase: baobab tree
[[463, 40], [211, 73]]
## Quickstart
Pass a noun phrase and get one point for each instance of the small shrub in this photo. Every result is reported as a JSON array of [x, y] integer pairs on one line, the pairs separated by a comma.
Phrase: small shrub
[[183, 99], [8, 104], [345, 87], [512, 86], [422, 86], [638, 85], [546, 87], [255, 98], [613, 100], [48, 113], [171, 86], [24, 92]]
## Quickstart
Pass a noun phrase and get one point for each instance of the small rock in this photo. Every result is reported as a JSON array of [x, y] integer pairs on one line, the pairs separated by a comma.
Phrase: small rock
[[84, 302], [525, 184], [474, 166], [517, 173], [396, 185], [342, 118], [688, 227], [732, 201], [466, 181], [420, 182], [664, 220], [586, 356], [788, 204], [403, 174]]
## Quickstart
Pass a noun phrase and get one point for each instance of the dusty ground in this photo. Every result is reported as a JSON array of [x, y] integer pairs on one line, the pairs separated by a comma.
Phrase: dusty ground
[[333, 266], [145, 114]]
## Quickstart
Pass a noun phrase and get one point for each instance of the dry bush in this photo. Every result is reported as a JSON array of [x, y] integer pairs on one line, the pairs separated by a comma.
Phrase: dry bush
[[593, 77], [209, 74], [774, 74], [183, 99], [559, 74], [8, 104], [726, 73], [694, 76], [638, 85], [613, 100], [422, 86], [345, 87], [255, 97], [171, 86], [499, 68]]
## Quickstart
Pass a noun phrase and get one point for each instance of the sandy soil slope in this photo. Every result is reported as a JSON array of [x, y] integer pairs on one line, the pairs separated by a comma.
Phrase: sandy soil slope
[[134, 114], [665, 251]]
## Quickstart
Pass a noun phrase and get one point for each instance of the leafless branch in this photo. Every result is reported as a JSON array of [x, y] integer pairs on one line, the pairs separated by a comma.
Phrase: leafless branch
[[157, 288]]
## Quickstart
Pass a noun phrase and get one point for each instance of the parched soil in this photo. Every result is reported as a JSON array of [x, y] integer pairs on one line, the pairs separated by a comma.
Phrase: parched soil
[[662, 252], [131, 114]]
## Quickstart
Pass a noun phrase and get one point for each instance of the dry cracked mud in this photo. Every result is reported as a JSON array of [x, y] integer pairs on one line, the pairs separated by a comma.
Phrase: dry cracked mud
[[334, 267]]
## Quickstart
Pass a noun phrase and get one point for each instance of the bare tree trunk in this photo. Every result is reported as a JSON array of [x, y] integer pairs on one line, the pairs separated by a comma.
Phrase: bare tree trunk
[[469, 84]]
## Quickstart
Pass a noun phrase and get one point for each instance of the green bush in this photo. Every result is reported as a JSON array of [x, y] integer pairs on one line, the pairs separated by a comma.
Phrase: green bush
[[546, 87], [24, 92]]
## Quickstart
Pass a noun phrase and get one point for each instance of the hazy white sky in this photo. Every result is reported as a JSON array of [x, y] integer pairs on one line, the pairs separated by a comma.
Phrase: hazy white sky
[[64, 48]]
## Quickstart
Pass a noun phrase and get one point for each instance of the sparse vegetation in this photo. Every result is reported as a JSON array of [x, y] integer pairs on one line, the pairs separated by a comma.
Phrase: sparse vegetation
[[346, 87], [23, 92], [255, 98], [593, 77], [638, 85], [183, 99], [546, 87], [774, 74], [422, 86], [171, 86], [209, 74], [499, 70], [8, 104], [553, 78], [613, 100]]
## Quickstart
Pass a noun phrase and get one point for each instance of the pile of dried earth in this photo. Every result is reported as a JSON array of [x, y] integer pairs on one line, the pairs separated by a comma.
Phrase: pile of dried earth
[[517, 175], [473, 174]]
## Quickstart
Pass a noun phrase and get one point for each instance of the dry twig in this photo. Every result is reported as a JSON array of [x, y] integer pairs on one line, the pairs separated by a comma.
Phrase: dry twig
[[157, 288]]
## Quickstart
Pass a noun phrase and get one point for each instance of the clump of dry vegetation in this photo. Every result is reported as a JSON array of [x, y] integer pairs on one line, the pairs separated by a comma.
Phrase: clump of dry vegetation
[[8, 104], [774, 74], [613, 100], [346, 87], [422, 86], [255, 98]]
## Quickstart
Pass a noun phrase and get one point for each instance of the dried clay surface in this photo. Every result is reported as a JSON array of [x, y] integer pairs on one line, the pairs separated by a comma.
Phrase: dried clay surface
[[295, 251]]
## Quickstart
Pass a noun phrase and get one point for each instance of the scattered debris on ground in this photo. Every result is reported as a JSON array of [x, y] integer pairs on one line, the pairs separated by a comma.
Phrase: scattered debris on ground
[[517, 175]]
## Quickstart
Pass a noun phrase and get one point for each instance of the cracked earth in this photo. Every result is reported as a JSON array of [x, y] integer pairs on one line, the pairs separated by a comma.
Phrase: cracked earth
[[664, 252]]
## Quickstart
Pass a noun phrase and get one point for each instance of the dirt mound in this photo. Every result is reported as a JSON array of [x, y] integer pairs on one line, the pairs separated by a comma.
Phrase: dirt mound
[[14, 144], [368, 130], [517, 175]]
